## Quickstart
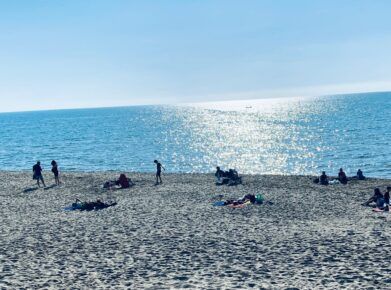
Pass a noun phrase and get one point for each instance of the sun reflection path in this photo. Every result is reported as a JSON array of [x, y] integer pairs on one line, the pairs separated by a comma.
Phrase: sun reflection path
[[271, 137]]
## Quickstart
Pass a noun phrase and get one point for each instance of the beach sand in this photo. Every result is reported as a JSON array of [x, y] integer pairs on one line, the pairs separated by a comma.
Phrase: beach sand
[[171, 237]]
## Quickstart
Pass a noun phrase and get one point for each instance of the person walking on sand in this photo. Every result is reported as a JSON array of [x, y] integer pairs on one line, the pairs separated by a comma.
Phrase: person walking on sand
[[37, 173], [55, 172], [159, 167]]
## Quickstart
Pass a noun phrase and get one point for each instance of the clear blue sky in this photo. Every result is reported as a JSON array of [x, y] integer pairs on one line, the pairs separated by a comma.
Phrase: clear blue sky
[[64, 54]]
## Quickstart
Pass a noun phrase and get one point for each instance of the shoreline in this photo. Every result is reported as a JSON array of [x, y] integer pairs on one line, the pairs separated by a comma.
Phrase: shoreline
[[115, 171], [170, 236]]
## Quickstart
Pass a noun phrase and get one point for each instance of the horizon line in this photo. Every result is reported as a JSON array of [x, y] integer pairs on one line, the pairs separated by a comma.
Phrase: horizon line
[[200, 102]]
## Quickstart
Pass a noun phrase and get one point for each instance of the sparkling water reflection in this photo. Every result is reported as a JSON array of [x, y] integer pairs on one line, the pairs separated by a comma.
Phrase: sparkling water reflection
[[279, 136]]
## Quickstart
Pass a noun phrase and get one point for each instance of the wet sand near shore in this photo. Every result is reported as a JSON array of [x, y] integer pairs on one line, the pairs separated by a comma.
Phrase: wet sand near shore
[[171, 237]]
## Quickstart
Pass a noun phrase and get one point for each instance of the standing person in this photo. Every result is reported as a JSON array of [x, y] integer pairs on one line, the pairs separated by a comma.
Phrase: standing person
[[55, 172], [159, 167], [37, 173]]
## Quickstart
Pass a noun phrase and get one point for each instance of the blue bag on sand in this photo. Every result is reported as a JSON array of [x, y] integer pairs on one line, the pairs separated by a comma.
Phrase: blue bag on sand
[[219, 203]]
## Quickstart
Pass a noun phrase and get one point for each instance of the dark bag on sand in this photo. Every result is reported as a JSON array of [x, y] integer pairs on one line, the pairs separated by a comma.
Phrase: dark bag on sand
[[316, 180]]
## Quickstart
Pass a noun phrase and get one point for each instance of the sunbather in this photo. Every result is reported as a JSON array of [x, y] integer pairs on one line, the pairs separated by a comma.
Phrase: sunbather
[[377, 198], [91, 205]]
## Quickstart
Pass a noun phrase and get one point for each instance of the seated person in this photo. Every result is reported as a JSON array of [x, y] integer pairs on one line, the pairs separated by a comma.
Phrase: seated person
[[360, 175], [387, 196], [234, 178], [377, 197], [219, 173], [221, 176], [324, 179], [123, 181], [342, 177]]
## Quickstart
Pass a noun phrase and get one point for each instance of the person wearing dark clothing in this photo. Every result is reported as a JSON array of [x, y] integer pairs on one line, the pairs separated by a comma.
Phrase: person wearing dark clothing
[[37, 174], [324, 179], [159, 167], [123, 181], [219, 173], [377, 198], [250, 197], [360, 175], [55, 172], [342, 177], [387, 196]]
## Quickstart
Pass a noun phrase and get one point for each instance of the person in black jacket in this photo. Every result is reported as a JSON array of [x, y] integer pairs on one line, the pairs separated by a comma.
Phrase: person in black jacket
[[37, 174]]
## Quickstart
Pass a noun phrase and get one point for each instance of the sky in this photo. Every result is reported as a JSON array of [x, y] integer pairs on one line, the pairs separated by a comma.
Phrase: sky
[[81, 53]]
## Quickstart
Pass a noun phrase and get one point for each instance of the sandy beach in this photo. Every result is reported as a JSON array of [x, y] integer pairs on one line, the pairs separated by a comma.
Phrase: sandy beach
[[171, 237]]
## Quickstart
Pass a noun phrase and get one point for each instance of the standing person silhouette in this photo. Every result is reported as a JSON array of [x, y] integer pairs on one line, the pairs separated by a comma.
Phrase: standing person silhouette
[[159, 167], [37, 173], [55, 172]]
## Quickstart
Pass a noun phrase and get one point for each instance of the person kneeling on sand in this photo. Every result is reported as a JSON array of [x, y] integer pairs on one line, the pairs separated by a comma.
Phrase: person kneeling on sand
[[342, 177], [377, 198]]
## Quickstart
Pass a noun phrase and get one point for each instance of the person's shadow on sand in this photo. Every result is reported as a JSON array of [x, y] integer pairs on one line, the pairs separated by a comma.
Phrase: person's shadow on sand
[[30, 189], [49, 187]]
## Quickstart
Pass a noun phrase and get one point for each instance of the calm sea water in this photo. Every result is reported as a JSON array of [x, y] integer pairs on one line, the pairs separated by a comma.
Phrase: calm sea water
[[279, 136]]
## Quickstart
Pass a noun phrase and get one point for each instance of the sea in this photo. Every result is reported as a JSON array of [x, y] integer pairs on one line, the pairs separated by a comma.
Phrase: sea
[[303, 135]]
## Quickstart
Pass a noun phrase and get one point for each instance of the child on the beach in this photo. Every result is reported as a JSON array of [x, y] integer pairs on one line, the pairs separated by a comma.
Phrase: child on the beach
[[159, 167]]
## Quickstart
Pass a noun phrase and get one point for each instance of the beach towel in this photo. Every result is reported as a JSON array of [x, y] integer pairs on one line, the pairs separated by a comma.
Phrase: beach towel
[[242, 205]]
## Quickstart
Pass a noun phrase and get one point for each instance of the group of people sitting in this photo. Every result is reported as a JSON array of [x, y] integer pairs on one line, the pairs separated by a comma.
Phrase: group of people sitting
[[121, 182], [342, 178], [230, 177], [90, 205], [381, 201]]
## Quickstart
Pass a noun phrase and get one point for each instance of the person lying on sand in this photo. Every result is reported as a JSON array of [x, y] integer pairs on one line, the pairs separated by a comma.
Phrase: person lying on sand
[[91, 205], [258, 199], [377, 198]]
